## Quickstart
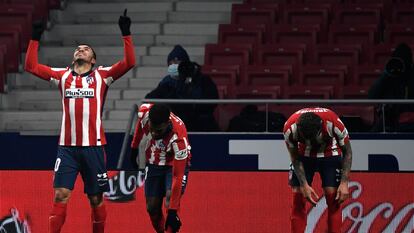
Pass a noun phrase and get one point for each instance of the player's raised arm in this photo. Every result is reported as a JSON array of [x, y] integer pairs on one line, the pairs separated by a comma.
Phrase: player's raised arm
[[31, 62], [121, 67]]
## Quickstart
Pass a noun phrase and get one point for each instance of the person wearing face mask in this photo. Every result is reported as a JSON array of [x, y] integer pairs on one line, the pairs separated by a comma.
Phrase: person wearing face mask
[[317, 141], [161, 137], [396, 82], [186, 81]]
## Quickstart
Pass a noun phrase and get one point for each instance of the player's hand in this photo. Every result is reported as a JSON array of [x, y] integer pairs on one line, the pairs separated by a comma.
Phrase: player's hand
[[37, 30], [342, 193], [124, 23], [309, 194], [133, 158], [173, 221]]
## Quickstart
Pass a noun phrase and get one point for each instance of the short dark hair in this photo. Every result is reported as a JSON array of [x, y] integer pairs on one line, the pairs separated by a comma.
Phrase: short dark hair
[[159, 113], [309, 124]]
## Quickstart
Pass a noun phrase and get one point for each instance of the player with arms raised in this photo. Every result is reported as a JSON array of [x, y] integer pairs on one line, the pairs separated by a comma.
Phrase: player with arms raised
[[82, 138]]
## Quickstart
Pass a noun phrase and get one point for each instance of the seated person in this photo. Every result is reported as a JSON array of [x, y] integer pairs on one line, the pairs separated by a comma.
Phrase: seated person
[[396, 82]]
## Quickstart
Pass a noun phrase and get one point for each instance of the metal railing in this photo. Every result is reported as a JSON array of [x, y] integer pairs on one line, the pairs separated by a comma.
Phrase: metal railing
[[266, 102]]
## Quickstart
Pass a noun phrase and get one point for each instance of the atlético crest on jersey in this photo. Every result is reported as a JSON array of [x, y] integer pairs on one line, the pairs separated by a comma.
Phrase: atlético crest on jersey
[[89, 80]]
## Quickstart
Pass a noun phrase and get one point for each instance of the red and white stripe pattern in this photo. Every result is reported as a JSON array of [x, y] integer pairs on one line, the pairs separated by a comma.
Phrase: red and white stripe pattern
[[81, 119], [333, 135], [83, 96], [161, 152]]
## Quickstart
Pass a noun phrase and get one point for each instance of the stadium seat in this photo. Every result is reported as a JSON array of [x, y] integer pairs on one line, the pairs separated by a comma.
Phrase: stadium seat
[[355, 92], [266, 75], [287, 33], [3, 67], [265, 1], [11, 38], [280, 54], [10, 15], [367, 74], [309, 92], [355, 34], [258, 92], [403, 14], [337, 54], [357, 14], [307, 14], [223, 75], [225, 91], [379, 54], [40, 7], [396, 33], [254, 14], [324, 76], [239, 34], [227, 54]]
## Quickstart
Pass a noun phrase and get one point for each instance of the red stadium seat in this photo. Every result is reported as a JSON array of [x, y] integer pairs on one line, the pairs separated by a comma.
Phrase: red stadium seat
[[287, 33], [355, 92], [307, 14], [258, 92], [12, 15], [3, 68], [396, 33], [223, 75], [239, 34], [309, 92], [40, 7], [11, 38], [280, 54], [324, 76], [355, 34], [225, 91], [265, 1], [379, 54], [266, 75], [357, 14], [367, 74], [337, 54], [224, 54], [403, 14], [254, 14]]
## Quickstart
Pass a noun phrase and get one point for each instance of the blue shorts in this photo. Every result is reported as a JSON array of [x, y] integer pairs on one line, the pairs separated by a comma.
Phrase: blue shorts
[[88, 161], [158, 179], [329, 168]]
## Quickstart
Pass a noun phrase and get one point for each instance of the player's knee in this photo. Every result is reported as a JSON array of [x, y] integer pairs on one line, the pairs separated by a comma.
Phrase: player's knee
[[95, 200], [62, 195], [153, 209]]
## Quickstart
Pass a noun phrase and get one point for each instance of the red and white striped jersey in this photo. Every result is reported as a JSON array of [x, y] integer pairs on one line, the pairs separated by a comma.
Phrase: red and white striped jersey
[[161, 152], [83, 96], [333, 135]]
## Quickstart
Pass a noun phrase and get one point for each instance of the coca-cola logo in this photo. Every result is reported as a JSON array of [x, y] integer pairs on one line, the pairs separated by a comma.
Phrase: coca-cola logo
[[354, 212], [122, 186], [12, 223]]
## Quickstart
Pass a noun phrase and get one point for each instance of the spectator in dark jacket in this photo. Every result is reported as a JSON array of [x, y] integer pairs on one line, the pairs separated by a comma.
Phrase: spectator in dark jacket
[[185, 81], [396, 82]]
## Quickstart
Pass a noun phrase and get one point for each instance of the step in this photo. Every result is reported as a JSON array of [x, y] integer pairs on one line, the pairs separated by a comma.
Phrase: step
[[107, 40], [190, 29], [199, 17], [151, 72], [60, 31], [52, 127], [125, 104], [165, 50], [119, 7], [65, 17], [134, 94], [205, 6], [160, 60], [53, 51], [144, 83], [24, 95], [53, 105], [118, 115], [185, 40]]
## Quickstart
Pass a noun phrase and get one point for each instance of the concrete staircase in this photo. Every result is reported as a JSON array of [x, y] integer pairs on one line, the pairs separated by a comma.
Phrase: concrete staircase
[[157, 25]]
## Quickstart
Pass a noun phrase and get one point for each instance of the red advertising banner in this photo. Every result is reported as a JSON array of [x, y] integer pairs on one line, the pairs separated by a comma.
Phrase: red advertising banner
[[214, 202]]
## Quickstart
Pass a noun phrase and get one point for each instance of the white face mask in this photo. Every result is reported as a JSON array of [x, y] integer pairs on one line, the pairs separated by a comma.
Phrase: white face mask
[[173, 70]]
